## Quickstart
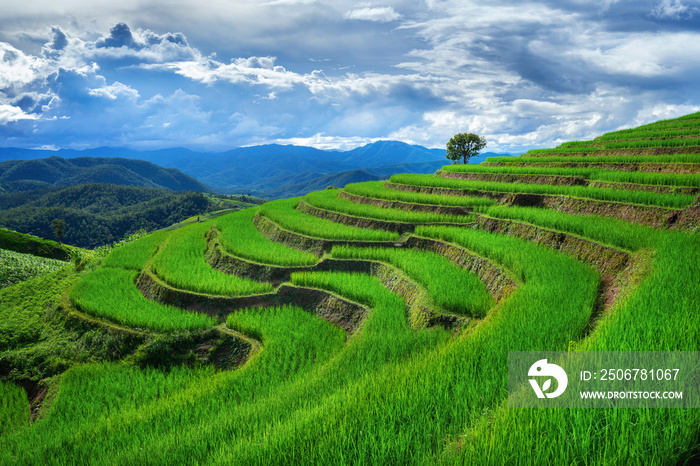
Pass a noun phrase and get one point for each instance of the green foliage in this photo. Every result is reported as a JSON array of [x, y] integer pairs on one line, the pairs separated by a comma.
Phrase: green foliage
[[58, 227], [95, 399], [463, 146], [20, 175], [385, 394], [641, 140], [240, 238], [376, 189], [135, 251], [181, 264], [660, 316], [105, 249], [385, 336], [14, 408], [637, 134], [296, 338], [593, 174], [28, 244], [401, 415], [192, 348], [39, 338], [592, 159], [98, 214], [604, 230], [451, 287], [111, 293], [329, 200], [16, 267], [284, 213], [635, 197]]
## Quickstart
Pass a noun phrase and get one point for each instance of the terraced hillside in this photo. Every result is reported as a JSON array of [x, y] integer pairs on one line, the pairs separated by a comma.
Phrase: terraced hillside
[[372, 325]]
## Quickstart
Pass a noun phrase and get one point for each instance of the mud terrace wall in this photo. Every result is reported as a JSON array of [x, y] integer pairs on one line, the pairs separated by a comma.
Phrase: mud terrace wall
[[517, 178], [344, 313], [647, 167], [437, 209]]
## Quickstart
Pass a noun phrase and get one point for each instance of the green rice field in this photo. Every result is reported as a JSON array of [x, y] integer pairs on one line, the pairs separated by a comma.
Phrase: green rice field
[[328, 365]]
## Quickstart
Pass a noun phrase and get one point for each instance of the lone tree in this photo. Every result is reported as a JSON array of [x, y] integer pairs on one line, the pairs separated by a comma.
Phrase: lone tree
[[464, 146], [58, 226]]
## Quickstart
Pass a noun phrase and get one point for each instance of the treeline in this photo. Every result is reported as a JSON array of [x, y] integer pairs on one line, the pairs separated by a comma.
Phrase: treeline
[[97, 214]]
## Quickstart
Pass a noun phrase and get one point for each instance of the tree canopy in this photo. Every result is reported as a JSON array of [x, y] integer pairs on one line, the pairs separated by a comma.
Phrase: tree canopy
[[97, 214], [463, 146], [58, 226]]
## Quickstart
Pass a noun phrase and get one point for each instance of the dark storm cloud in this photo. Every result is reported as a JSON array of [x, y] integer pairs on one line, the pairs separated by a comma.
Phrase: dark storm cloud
[[59, 40], [119, 36]]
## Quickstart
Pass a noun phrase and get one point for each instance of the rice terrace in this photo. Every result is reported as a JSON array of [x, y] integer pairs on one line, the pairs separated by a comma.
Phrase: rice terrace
[[371, 324]]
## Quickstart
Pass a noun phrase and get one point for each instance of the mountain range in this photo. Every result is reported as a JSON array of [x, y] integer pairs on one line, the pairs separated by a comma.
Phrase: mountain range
[[272, 171]]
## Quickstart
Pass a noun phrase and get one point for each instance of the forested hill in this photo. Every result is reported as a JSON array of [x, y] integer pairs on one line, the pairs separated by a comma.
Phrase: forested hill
[[270, 171], [22, 175], [97, 214]]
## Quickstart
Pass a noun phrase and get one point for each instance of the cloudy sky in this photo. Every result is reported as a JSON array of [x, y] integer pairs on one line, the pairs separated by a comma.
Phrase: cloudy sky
[[151, 74]]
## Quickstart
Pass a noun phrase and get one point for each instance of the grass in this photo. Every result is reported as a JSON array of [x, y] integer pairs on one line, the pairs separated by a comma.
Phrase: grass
[[643, 144], [385, 335], [390, 395], [16, 267], [660, 316], [214, 416], [592, 174], [605, 230], [29, 244], [135, 255], [284, 213], [385, 394], [562, 150], [329, 200], [240, 238], [22, 312], [638, 134], [14, 408], [110, 293], [181, 264], [619, 145], [593, 146], [451, 287], [403, 414], [39, 336], [676, 201], [298, 339], [626, 159], [376, 189]]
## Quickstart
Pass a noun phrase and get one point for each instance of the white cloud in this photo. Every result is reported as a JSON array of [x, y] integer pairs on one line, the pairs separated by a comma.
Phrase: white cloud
[[645, 54], [672, 9], [114, 91], [321, 141], [253, 70], [378, 14], [9, 114], [17, 69]]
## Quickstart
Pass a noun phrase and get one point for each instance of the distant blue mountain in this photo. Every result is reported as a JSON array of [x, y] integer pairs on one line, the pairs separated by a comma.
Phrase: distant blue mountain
[[271, 170]]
